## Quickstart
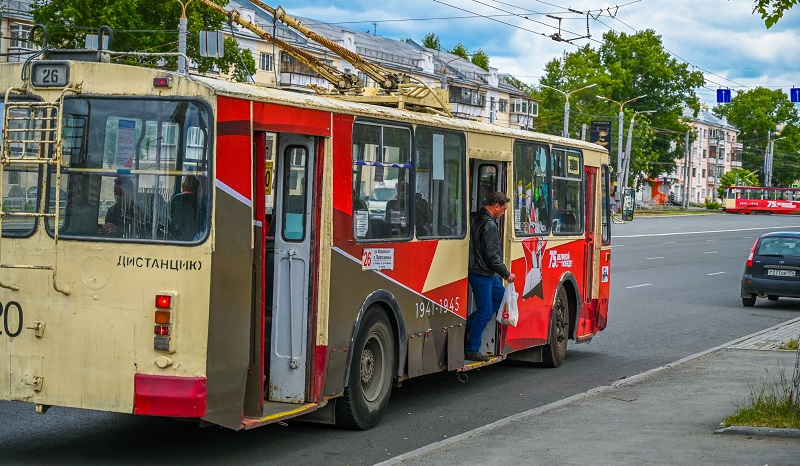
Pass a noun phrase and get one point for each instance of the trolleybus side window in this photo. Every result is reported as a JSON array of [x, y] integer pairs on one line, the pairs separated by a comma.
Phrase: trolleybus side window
[[439, 198], [137, 169], [567, 191], [382, 174], [531, 190]]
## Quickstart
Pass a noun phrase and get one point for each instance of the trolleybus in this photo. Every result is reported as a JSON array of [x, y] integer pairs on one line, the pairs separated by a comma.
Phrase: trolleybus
[[183, 246], [759, 199]]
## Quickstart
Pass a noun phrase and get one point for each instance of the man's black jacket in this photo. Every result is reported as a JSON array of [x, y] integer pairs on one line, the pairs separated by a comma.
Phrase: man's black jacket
[[485, 254]]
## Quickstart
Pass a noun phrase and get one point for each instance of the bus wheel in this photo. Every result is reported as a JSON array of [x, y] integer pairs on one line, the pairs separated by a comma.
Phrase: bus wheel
[[555, 351], [370, 382]]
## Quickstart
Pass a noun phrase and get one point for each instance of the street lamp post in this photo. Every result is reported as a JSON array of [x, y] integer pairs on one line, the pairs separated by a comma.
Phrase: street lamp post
[[626, 164], [619, 141], [565, 133]]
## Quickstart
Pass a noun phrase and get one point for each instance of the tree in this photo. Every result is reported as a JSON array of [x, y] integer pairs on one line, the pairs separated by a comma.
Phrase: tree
[[134, 23], [736, 177], [460, 50], [625, 66], [758, 113], [432, 41], [772, 10], [479, 58]]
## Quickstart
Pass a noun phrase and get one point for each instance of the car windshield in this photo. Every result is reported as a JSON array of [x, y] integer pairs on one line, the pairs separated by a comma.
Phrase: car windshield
[[779, 246], [383, 194]]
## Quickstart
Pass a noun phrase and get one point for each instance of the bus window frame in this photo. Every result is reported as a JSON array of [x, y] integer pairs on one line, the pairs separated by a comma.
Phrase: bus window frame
[[581, 216], [548, 183], [411, 181], [209, 152]]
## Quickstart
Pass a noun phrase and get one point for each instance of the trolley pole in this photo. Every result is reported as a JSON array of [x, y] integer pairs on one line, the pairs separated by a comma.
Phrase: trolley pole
[[182, 33]]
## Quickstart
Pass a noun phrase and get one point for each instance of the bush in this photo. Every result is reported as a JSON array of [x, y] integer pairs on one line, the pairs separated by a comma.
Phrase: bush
[[711, 205]]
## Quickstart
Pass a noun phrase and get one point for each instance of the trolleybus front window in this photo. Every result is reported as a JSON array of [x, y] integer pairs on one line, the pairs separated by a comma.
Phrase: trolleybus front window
[[136, 169]]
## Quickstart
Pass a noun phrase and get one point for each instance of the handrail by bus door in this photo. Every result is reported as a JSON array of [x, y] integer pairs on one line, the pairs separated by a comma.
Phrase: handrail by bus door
[[45, 139]]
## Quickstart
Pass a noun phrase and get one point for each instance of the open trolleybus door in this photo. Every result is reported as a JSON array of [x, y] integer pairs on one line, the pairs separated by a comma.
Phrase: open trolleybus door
[[486, 176], [591, 253], [294, 172]]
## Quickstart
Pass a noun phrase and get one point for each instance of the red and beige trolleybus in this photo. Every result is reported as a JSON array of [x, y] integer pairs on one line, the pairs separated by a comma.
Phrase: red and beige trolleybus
[[193, 248], [760, 199]]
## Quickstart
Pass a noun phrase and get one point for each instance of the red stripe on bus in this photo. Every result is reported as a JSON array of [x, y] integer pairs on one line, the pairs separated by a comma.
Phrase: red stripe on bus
[[234, 145], [158, 395], [281, 118]]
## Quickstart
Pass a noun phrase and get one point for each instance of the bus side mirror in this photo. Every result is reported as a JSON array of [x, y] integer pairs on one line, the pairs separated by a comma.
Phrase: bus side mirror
[[628, 204]]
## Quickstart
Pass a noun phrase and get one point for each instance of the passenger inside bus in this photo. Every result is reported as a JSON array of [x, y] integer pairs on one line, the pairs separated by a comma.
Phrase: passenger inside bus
[[120, 216], [183, 209]]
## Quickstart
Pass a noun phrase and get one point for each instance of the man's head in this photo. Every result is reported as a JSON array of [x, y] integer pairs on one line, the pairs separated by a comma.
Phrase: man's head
[[123, 186], [190, 184], [496, 203]]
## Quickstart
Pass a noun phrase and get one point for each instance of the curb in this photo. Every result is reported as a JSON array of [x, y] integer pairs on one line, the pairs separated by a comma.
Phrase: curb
[[759, 431]]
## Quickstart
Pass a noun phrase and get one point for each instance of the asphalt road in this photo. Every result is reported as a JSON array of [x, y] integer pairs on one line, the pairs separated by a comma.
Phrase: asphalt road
[[675, 292]]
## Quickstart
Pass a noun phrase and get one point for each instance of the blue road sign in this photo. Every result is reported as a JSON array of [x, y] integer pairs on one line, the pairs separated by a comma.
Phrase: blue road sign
[[723, 96], [794, 94]]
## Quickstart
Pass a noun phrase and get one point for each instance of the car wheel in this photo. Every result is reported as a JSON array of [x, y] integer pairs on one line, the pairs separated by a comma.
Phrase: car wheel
[[370, 381], [555, 351], [750, 301], [772, 297]]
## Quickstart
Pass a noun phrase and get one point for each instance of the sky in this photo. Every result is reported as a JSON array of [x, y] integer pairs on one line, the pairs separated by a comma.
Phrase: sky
[[721, 38]]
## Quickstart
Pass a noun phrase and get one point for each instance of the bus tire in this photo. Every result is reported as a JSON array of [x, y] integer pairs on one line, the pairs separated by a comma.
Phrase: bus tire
[[555, 351], [370, 381]]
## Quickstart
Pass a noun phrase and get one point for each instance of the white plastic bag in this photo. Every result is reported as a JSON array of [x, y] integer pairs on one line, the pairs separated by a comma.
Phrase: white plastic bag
[[508, 314]]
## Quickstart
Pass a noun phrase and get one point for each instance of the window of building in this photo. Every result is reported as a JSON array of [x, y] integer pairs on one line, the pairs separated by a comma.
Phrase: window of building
[[267, 62], [502, 106], [382, 181], [531, 206], [567, 191], [440, 187], [19, 36]]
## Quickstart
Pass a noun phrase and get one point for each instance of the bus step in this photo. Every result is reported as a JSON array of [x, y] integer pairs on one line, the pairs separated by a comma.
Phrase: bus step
[[469, 365], [274, 412]]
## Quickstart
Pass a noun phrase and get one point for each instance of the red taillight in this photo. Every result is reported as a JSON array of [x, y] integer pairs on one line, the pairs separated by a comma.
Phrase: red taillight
[[163, 301], [161, 330], [752, 253], [164, 81]]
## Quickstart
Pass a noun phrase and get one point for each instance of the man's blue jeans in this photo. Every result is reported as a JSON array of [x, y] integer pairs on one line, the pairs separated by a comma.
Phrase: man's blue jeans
[[488, 293]]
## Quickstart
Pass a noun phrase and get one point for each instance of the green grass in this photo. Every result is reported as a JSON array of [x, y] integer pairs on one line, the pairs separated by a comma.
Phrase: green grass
[[789, 345], [769, 405]]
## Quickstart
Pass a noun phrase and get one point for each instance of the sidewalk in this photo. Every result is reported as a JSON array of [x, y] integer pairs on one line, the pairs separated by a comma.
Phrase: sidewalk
[[664, 416]]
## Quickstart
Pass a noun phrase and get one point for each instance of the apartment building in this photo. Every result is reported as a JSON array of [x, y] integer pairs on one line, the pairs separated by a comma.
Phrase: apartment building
[[15, 29], [714, 151]]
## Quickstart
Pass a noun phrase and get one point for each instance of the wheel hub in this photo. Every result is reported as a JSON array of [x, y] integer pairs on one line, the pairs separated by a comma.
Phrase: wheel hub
[[367, 366]]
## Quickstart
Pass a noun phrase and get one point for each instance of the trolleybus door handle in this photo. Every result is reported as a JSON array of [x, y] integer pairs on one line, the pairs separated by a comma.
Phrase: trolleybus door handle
[[294, 363]]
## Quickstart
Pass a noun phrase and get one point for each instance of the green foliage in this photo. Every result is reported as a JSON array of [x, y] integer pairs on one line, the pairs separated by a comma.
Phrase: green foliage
[[460, 50], [736, 177], [769, 405], [772, 10], [790, 345], [143, 26], [757, 113], [432, 41], [479, 58], [711, 205], [623, 67]]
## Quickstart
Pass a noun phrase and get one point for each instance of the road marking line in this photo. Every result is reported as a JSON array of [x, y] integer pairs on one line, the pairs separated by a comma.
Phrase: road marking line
[[703, 232], [670, 242], [638, 286], [715, 273], [657, 257], [711, 252]]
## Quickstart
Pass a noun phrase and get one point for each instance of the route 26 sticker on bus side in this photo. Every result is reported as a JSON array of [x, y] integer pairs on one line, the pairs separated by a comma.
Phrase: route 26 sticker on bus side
[[377, 259]]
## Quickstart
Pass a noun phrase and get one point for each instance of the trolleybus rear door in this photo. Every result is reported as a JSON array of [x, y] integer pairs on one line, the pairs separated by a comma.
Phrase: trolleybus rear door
[[290, 302]]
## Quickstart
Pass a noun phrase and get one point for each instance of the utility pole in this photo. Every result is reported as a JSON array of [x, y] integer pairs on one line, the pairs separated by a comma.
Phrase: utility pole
[[182, 32], [565, 133], [626, 163], [619, 140], [687, 157]]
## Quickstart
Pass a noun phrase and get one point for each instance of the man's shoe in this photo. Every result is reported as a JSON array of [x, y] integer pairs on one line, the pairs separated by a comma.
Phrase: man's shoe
[[477, 356]]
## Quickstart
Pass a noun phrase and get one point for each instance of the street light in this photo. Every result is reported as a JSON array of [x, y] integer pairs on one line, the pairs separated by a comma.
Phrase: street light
[[566, 104], [626, 164], [619, 141], [768, 156]]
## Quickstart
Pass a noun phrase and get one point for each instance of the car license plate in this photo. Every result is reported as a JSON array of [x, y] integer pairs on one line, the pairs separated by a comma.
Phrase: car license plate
[[781, 273]]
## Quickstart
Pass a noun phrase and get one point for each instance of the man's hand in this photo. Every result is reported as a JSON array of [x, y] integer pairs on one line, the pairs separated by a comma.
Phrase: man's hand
[[108, 229], [511, 278]]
